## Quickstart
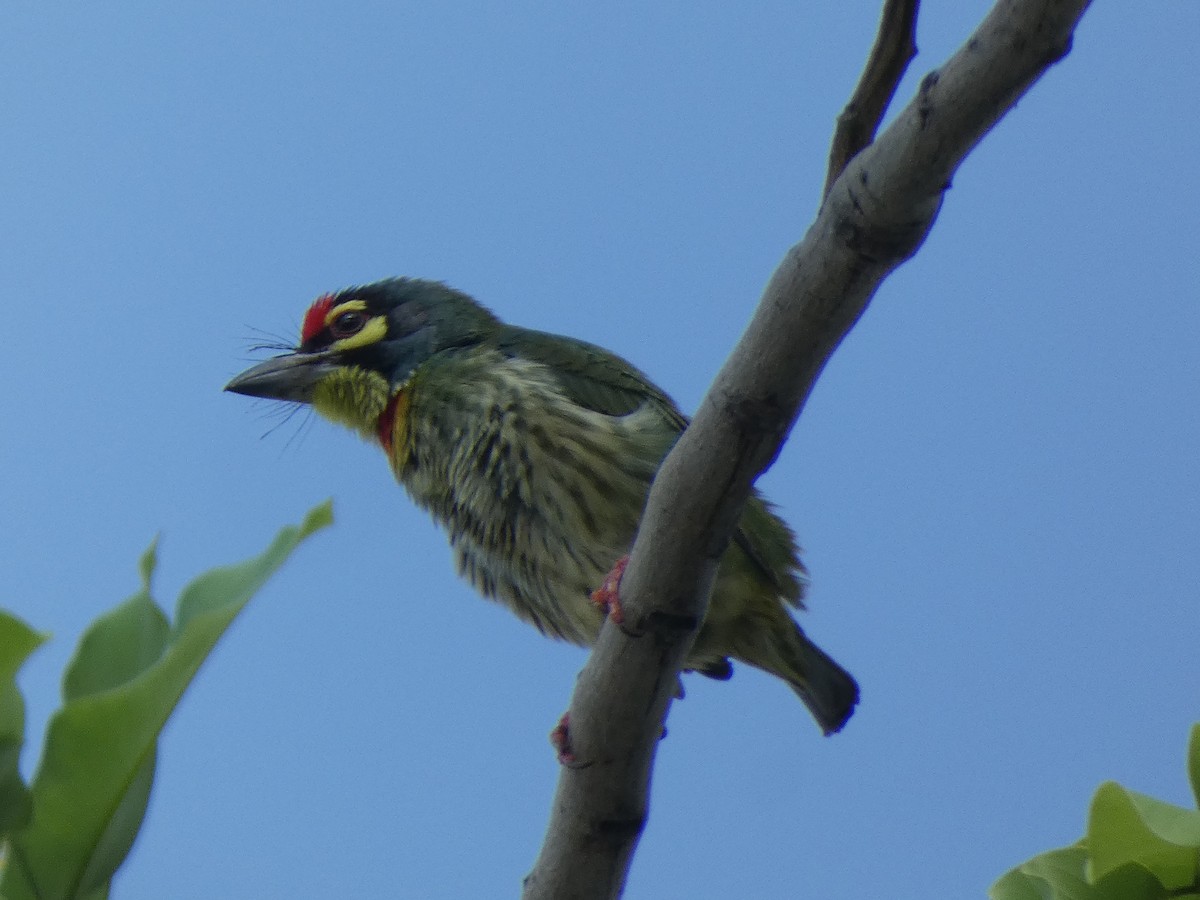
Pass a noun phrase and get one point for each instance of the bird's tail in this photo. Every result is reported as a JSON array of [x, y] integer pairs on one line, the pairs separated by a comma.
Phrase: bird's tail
[[828, 690]]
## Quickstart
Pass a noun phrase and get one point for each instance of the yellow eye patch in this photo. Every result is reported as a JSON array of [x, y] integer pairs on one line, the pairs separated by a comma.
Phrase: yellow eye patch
[[346, 317], [374, 330], [349, 306]]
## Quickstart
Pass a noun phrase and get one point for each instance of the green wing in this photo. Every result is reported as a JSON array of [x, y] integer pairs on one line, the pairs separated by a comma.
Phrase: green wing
[[603, 382], [590, 376]]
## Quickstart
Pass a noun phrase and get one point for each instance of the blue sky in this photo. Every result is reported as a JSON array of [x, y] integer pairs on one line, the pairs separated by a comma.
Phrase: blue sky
[[996, 480]]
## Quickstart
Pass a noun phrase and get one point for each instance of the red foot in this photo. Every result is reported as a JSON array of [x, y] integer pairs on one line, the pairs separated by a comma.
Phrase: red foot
[[560, 740], [608, 596]]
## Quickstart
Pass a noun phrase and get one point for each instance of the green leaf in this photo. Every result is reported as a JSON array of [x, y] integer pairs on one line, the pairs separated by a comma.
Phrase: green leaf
[[1062, 875], [92, 786], [1128, 828], [147, 564], [122, 827], [1194, 762], [1056, 875], [117, 647], [17, 642], [1136, 848], [1131, 883]]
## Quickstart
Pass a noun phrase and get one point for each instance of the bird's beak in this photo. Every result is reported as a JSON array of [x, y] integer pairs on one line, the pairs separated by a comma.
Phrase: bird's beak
[[292, 377]]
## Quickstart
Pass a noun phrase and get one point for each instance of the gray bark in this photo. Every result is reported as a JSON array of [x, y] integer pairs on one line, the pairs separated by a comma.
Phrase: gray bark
[[876, 215]]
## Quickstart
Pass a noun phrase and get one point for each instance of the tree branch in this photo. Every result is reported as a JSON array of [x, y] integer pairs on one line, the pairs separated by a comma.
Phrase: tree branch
[[876, 215], [895, 47]]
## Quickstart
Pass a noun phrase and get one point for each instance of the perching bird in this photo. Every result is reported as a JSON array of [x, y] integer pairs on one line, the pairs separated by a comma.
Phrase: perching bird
[[536, 452]]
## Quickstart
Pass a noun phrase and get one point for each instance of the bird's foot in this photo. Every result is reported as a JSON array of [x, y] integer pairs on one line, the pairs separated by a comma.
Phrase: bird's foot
[[560, 740], [608, 595]]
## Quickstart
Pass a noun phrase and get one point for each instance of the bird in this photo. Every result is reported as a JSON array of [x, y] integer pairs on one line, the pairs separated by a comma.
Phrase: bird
[[536, 453]]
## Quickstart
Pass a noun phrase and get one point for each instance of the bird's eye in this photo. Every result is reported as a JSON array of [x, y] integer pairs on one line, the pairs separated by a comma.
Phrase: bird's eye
[[348, 323]]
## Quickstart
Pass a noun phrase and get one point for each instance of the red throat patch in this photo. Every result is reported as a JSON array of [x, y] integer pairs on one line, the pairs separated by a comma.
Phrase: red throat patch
[[392, 423], [314, 319]]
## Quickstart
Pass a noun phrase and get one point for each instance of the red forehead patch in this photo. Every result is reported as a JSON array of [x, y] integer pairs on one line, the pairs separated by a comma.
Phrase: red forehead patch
[[314, 319]]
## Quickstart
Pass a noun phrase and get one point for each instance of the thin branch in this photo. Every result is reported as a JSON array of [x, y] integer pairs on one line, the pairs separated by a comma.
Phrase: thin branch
[[895, 47], [877, 214]]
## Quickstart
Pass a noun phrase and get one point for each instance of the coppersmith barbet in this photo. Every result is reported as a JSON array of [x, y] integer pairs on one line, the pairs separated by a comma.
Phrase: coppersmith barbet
[[536, 452]]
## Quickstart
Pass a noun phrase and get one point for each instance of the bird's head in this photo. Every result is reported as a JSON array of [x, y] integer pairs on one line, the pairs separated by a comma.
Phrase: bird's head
[[360, 346]]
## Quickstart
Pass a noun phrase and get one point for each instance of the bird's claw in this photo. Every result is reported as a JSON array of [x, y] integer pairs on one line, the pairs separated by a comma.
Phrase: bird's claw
[[560, 740], [608, 595]]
